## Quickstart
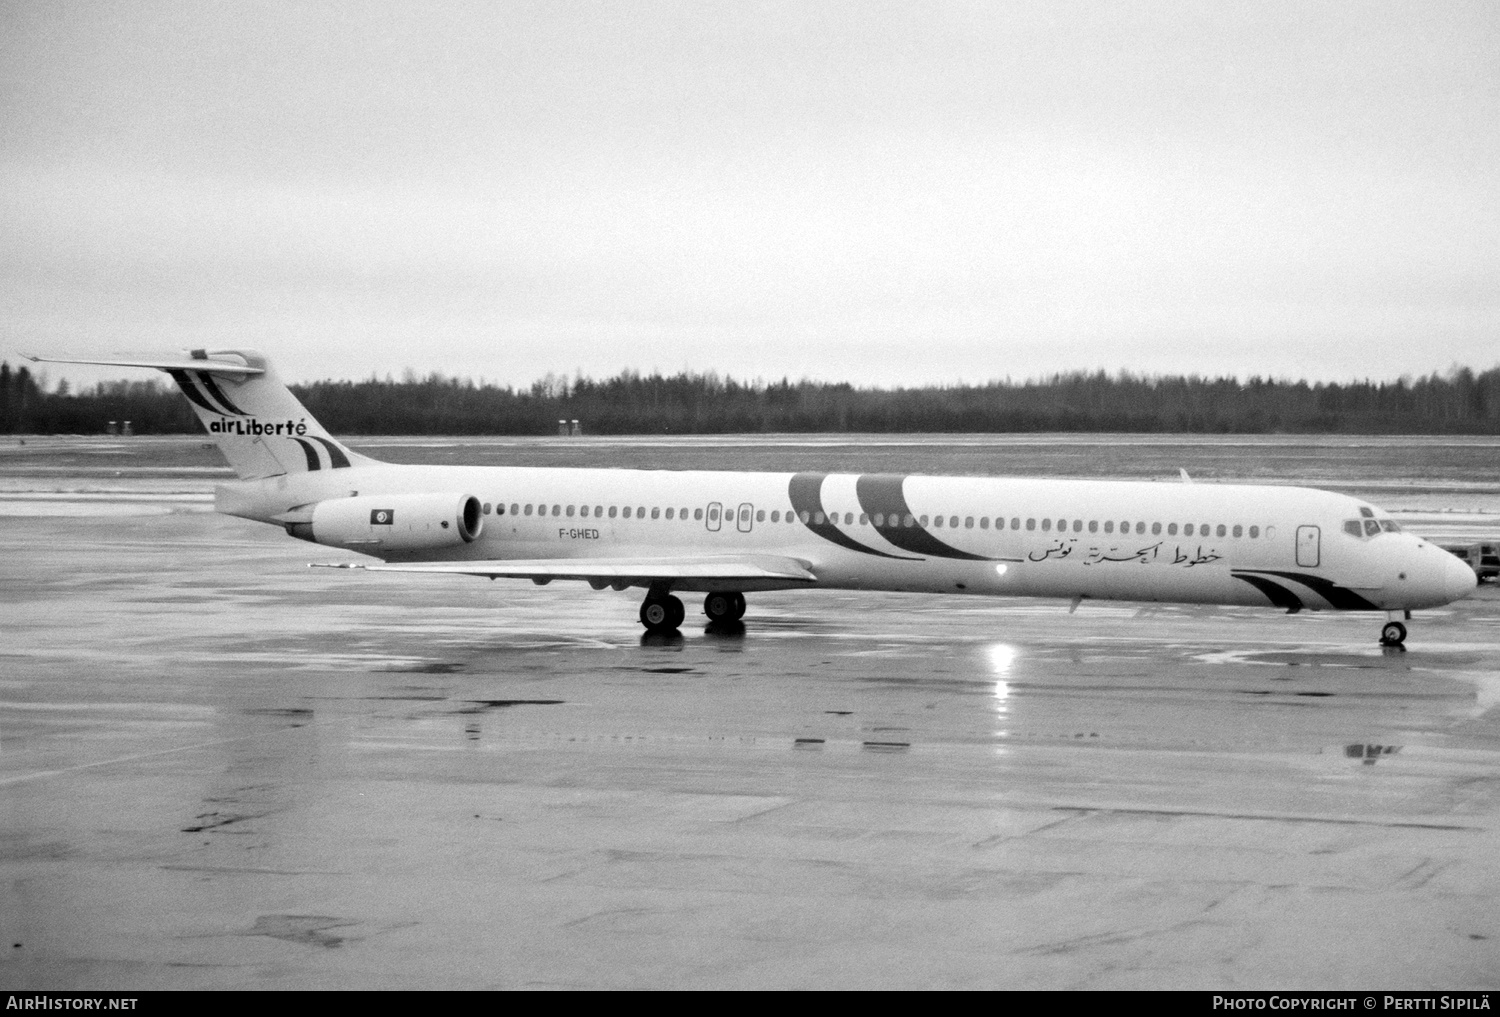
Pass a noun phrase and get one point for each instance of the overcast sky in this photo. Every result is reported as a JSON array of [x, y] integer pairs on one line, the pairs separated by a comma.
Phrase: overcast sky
[[883, 193]]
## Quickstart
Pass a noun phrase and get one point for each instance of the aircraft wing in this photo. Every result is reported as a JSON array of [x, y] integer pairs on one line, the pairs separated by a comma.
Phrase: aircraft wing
[[166, 363], [612, 571]]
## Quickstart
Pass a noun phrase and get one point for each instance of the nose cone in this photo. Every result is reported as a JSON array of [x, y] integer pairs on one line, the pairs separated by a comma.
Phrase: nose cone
[[1458, 579]]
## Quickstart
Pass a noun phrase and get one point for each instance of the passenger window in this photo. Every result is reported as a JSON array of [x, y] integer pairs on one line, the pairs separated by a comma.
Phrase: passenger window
[[1238, 529], [1124, 527], [1046, 525], [486, 508], [1078, 526], [640, 512], [1254, 532], [818, 518], [1031, 524], [848, 518], [1155, 529], [698, 514], [775, 515], [968, 522], [1203, 529], [655, 512], [1222, 531], [937, 523], [583, 510], [669, 513], [864, 520], [806, 516], [598, 511], [1093, 526], [908, 521], [953, 522], [1062, 524], [528, 509], [613, 511], [1187, 529], [984, 522], [760, 515], [1371, 527], [1171, 529], [879, 519], [570, 512], [557, 510], [923, 520], [1109, 526], [514, 508]]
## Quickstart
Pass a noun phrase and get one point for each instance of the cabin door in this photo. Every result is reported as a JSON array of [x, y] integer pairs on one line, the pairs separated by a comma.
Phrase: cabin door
[[1307, 547], [715, 516], [745, 520]]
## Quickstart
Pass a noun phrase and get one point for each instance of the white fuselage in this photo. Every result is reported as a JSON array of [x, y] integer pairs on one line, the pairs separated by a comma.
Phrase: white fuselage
[[1141, 541]]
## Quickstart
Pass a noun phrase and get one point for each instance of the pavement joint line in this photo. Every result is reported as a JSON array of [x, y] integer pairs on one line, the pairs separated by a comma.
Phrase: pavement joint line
[[40, 774], [1273, 817]]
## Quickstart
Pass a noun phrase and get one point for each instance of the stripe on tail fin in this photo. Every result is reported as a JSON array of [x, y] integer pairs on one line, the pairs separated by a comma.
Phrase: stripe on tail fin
[[262, 429]]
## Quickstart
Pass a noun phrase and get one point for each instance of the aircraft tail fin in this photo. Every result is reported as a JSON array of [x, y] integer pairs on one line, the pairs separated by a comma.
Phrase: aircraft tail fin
[[262, 429]]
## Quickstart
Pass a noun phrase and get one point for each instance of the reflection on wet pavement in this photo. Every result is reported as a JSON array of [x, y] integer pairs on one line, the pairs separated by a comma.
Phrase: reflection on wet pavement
[[221, 769]]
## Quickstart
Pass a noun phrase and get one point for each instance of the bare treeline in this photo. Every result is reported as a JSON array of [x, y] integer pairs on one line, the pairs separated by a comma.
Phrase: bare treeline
[[1458, 402]]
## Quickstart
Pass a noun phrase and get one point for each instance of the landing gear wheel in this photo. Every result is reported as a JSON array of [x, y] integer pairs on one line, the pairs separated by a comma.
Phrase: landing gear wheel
[[724, 607], [662, 614], [719, 607], [1393, 634]]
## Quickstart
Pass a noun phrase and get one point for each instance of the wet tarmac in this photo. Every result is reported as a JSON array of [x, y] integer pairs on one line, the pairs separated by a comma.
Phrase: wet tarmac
[[221, 769]]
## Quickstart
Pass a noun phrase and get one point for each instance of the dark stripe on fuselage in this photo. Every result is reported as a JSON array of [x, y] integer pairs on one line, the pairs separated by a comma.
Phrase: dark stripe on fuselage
[[212, 388], [1275, 592], [881, 498], [336, 457], [1339, 598], [313, 462], [191, 391], [806, 493]]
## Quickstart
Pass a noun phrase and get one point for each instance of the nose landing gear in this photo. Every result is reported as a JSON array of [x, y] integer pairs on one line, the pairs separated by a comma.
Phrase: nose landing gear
[[1393, 634]]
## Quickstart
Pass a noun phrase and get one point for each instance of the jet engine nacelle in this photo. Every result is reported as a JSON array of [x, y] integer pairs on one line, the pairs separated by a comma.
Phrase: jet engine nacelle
[[377, 523]]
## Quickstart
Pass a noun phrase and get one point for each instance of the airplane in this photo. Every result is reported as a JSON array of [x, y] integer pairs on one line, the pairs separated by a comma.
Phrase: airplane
[[724, 534]]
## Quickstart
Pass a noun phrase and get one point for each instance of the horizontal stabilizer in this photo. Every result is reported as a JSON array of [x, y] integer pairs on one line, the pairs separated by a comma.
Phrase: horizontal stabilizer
[[742, 568], [182, 362]]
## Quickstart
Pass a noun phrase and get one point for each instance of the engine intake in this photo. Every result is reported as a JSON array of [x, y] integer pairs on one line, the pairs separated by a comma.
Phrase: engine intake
[[376, 523]]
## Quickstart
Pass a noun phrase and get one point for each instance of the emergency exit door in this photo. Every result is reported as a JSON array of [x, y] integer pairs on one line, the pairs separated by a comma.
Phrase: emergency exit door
[[745, 518], [1307, 547]]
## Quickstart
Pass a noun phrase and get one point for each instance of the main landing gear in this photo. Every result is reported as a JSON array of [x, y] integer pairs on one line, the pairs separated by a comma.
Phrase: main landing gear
[[724, 607], [662, 612]]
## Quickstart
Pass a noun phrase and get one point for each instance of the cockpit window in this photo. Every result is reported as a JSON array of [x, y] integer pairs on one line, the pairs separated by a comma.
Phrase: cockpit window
[[1371, 527], [1367, 512], [1352, 527], [1389, 526]]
